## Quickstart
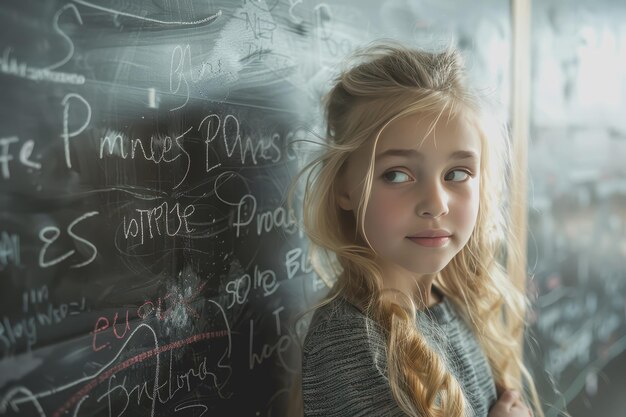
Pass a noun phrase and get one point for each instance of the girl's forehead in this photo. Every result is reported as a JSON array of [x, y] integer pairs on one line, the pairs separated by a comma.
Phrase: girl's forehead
[[430, 134]]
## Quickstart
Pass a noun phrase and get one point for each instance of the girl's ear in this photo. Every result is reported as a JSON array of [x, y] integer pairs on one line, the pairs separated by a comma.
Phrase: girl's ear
[[341, 194]]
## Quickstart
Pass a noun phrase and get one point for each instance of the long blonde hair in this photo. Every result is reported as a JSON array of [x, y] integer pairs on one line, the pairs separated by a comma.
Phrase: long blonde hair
[[386, 81]]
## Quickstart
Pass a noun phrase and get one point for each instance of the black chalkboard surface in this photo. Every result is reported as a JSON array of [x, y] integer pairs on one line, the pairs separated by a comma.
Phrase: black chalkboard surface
[[148, 265], [143, 157]]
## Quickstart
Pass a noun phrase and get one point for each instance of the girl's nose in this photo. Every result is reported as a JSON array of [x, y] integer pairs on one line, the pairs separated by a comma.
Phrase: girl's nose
[[433, 201]]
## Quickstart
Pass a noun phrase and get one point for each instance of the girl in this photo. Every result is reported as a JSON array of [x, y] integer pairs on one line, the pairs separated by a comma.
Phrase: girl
[[406, 204]]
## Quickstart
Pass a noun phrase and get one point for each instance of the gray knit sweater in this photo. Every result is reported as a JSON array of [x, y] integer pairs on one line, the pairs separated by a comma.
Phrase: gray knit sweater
[[344, 370]]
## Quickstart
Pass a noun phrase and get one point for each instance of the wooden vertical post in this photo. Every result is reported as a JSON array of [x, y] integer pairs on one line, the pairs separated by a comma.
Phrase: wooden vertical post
[[520, 127]]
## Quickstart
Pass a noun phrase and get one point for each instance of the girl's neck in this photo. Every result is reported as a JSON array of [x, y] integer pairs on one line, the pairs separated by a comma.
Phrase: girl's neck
[[436, 296]]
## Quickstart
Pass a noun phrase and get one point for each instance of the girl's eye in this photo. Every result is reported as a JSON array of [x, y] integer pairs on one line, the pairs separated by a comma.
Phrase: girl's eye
[[389, 175], [457, 178]]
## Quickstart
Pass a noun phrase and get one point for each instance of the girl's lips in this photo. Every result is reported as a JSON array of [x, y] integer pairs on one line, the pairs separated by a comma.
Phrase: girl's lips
[[430, 241]]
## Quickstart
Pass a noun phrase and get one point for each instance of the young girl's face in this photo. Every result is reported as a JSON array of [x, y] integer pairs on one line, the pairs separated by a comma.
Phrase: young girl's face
[[423, 184]]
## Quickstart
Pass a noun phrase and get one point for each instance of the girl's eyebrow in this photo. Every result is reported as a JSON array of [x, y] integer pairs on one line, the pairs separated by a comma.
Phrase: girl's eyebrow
[[412, 153]]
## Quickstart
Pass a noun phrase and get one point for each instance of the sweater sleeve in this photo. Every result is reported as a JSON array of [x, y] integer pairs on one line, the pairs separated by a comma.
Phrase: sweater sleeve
[[344, 371]]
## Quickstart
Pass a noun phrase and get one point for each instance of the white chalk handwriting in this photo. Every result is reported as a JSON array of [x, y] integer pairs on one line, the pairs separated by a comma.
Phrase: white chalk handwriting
[[26, 150], [239, 289], [50, 233], [156, 221], [9, 249], [265, 221]]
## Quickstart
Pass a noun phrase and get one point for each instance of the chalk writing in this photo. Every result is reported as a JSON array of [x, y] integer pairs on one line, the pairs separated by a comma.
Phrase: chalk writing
[[265, 221], [50, 233], [34, 296], [67, 135], [267, 350], [182, 71], [296, 260], [11, 66], [173, 383], [110, 374], [160, 149], [9, 249], [261, 27], [42, 313], [25, 153], [233, 142], [157, 221], [108, 370], [17, 396], [167, 307], [573, 323], [239, 289], [67, 39], [210, 138], [149, 19], [167, 149], [184, 406], [292, 7]]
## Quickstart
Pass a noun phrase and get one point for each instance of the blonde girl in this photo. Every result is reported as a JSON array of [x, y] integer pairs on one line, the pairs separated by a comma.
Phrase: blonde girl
[[405, 214]]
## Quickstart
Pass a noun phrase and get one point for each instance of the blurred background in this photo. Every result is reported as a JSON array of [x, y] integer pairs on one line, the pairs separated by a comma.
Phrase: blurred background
[[577, 204]]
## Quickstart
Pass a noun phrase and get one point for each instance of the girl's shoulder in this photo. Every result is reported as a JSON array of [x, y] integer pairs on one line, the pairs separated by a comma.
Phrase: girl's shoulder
[[344, 365], [333, 319], [340, 321]]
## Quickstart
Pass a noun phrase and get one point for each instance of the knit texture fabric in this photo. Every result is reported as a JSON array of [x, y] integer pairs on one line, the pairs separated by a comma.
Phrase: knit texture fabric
[[344, 363]]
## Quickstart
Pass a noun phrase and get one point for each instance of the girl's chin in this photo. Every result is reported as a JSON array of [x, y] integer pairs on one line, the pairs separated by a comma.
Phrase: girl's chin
[[423, 268]]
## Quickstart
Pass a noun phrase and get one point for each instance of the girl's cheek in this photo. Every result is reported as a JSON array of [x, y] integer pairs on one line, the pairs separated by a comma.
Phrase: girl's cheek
[[386, 209], [467, 210]]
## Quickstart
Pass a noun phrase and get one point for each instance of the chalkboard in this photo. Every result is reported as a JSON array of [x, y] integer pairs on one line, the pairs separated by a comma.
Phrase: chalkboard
[[148, 263]]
